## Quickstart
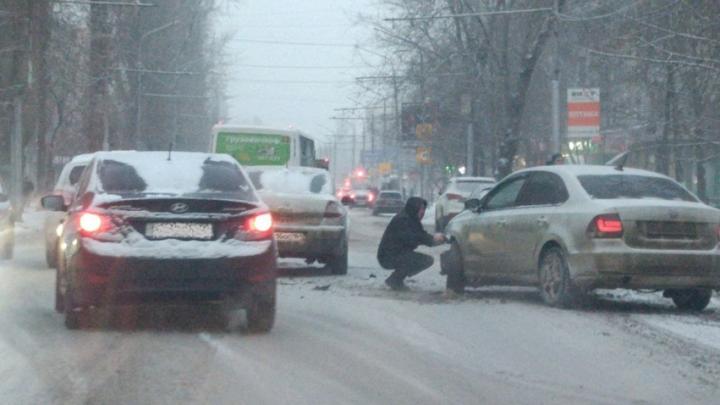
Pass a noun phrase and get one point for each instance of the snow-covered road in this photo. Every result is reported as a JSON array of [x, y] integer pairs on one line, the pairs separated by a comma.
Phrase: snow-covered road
[[350, 340]]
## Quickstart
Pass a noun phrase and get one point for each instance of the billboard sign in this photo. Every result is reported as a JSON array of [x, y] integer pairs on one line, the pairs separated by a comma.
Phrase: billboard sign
[[255, 149], [583, 108]]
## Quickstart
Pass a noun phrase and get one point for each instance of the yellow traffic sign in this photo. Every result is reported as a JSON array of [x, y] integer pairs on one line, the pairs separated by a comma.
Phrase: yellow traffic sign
[[384, 168], [422, 155]]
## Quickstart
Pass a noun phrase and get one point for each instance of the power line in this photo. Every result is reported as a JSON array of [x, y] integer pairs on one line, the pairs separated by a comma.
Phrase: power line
[[161, 95], [105, 3], [568, 17], [476, 14], [309, 67], [272, 42], [161, 72], [294, 81]]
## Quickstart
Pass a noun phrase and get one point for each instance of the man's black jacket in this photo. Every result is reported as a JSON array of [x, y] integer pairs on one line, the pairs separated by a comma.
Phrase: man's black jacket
[[404, 233]]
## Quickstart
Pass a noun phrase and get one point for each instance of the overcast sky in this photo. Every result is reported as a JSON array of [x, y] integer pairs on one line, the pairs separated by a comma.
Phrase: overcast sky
[[283, 82]]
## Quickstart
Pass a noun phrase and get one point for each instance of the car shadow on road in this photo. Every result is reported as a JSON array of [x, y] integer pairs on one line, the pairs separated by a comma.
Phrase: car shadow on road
[[307, 271], [170, 318], [503, 295], [595, 302]]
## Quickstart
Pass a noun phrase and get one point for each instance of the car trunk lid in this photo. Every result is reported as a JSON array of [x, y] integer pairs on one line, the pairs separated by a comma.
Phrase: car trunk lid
[[661, 224], [293, 209], [179, 218]]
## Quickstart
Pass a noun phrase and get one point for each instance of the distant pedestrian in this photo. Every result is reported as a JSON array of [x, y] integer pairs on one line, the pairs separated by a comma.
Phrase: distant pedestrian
[[27, 190], [402, 236], [556, 159]]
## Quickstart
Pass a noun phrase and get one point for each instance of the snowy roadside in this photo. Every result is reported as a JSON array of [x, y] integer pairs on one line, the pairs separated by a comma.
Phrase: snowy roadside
[[654, 311], [32, 223]]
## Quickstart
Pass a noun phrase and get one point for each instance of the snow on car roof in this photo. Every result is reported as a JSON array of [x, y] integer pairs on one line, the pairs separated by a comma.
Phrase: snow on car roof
[[82, 158], [291, 180], [477, 179], [180, 174], [130, 156], [581, 170]]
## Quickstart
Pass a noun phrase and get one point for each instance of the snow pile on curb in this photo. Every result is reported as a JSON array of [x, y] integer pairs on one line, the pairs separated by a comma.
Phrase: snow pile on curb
[[32, 223]]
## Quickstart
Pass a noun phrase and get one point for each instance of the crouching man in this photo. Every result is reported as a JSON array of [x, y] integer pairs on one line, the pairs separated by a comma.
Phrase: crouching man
[[402, 236]]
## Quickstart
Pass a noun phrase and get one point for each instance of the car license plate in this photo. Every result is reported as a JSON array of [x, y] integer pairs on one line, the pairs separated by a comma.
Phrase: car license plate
[[179, 230], [290, 237]]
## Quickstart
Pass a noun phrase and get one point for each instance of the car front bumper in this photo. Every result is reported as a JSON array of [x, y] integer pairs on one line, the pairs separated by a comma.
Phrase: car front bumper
[[310, 242], [98, 279], [614, 265]]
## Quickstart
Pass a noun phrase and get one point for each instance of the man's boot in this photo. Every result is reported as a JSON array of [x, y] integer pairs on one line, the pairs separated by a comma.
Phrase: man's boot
[[395, 282]]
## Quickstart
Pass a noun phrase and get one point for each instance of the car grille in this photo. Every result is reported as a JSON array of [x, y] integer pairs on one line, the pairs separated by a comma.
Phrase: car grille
[[668, 230]]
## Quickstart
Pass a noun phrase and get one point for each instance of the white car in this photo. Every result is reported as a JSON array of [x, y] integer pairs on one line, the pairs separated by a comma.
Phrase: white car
[[572, 229], [452, 201], [66, 187], [310, 222]]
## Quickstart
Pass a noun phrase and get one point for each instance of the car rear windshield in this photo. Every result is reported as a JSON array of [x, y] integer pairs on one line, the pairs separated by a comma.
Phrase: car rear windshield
[[292, 181], [607, 187], [391, 196], [195, 178]]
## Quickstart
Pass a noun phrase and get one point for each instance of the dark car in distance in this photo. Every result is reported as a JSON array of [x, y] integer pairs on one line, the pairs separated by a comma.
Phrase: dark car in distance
[[388, 202], [148, 227]]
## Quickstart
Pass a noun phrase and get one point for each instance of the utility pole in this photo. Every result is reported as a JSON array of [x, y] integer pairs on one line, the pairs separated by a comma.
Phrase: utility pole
[[470, 164], [384, 122], [16, 157], [354, 136], [372, 131], [556, 147], [334, 158], [364, 138]]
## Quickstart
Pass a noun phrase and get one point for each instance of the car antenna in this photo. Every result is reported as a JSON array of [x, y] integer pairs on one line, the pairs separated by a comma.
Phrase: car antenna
[[170, 151]]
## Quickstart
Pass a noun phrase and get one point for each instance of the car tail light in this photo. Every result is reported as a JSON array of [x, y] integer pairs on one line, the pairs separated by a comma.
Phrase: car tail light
[[456, 197], [261, 223], [607, 226], [257, 227], [333, 210], [371, 197], [352, 196], [91, 224]]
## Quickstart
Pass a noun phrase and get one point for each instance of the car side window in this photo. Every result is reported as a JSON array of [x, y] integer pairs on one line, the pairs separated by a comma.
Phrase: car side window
[[506, 194], [543, 188], [83, 182]]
